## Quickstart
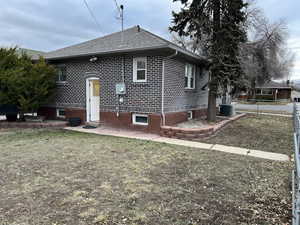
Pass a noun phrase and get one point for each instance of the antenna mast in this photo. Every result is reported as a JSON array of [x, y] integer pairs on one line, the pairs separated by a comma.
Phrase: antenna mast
[[122, 16], [121, 13]]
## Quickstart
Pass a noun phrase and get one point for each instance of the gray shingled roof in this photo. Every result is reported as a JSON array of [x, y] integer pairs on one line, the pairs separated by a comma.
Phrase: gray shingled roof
[[132, 39]]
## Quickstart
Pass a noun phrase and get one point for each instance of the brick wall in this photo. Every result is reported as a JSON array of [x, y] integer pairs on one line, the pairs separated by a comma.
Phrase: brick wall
[[176, 97], [124, 120], [140, 97]]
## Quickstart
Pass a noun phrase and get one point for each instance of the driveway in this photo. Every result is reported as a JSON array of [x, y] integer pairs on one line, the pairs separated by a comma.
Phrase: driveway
[[287, 108]]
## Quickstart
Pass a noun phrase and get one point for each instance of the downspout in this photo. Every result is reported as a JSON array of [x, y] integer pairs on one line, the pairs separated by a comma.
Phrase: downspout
[[163, 87]]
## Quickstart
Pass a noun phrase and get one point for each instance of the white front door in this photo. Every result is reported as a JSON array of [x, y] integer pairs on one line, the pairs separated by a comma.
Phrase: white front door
[[93, 100]]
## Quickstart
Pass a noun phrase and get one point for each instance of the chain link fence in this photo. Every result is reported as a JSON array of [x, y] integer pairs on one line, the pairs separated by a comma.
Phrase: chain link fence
[[296, 171]]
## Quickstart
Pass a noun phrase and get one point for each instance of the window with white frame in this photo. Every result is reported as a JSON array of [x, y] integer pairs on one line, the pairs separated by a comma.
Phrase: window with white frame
[[61, 74], [140, 119], [258, 91], [190, 115], [190, 74], [140, 69], [60, 113]]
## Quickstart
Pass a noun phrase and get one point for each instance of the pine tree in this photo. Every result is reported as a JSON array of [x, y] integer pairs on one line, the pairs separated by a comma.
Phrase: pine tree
[[23, 83], [222, 22]]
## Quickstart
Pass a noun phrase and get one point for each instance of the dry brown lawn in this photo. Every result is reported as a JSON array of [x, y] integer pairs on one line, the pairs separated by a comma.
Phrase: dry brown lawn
[[267, 133], [60, 177]]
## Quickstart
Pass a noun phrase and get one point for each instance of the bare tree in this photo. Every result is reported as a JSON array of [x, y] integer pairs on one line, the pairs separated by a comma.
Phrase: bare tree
[[265, 56], [192, 44]]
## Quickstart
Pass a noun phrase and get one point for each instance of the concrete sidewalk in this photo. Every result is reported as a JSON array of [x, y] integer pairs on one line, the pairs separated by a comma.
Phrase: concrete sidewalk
[[263, 113], [154, 137]]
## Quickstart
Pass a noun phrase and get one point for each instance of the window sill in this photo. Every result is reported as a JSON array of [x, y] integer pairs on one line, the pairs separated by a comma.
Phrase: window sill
[[190, 89], [140, 124], [62, 83], [140, 81], [143, 84]]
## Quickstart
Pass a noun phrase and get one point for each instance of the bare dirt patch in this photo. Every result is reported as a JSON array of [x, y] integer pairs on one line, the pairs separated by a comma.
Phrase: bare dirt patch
[[267, 133], [62, 177]]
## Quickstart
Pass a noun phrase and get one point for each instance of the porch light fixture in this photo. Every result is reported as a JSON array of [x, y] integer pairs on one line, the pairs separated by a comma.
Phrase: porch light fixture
[[93, 59]]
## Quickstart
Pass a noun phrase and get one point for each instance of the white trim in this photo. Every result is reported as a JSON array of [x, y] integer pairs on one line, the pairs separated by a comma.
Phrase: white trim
[[57, 113], [194, 68], [163, 93], [61, 82], [261, 91], [134, 115], [87, 95], [190, 115], [60, 68], [135, 69]]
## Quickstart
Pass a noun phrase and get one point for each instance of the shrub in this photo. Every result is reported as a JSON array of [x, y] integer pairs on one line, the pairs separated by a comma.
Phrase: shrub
[[25, 83]]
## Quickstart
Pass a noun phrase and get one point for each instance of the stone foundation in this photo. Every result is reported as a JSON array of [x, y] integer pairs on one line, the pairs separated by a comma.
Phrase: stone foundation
[[179, 117], [124, 119], [50, 113]]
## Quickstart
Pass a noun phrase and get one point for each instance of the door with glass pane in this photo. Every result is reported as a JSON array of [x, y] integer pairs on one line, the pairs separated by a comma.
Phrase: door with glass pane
[[93, 100]]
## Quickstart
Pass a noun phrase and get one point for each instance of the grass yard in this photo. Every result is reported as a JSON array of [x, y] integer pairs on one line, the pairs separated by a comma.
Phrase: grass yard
[[264, 102], [60, 177], [267, 133], [265, 111]]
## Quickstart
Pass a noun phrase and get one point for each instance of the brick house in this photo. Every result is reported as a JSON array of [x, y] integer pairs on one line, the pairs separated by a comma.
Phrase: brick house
[[128, 79], [273, 91]]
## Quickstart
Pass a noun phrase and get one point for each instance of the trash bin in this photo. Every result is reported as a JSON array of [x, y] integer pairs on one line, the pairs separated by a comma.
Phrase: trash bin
[[10, 111], [74, 121], [227, 110]]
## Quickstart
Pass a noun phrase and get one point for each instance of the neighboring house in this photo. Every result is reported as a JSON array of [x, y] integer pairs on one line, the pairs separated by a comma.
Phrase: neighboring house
[[131, 79], [273, 91], [30, 52]]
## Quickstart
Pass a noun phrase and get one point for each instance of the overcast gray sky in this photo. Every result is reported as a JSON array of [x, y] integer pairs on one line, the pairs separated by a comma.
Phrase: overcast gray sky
[[51, 24]]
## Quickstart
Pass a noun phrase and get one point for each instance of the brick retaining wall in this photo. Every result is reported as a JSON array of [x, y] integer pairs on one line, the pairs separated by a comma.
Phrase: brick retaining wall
[[196, 133]]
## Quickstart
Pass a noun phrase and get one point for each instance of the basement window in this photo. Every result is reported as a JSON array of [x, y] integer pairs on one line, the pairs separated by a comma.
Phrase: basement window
[[60, 113], [140, 119], [190, 115]]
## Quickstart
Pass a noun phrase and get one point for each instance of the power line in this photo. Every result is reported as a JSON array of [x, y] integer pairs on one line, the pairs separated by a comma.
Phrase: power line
[[92, 14]]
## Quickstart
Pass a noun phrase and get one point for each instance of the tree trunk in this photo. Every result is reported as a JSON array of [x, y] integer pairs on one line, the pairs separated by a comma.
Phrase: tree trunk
[[212, 104], [253, 85]]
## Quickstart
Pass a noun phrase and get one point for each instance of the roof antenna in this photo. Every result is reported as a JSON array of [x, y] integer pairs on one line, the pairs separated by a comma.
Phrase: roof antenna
[[122, 16]]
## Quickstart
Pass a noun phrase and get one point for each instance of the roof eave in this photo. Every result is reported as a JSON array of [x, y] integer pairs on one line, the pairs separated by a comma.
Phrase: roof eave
[[188, 53], [194, 56], [106, 52]]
